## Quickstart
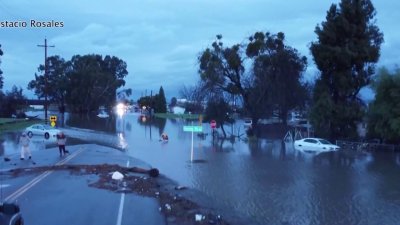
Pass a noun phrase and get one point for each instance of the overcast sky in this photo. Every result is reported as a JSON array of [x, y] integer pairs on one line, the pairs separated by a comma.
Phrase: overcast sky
[[161, 39]]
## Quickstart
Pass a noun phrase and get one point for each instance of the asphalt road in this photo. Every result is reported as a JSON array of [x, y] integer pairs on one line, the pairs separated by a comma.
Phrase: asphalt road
[[56, 197]]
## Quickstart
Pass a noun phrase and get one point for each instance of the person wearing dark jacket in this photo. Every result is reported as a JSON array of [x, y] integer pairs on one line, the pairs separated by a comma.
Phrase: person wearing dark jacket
[[61, 140]]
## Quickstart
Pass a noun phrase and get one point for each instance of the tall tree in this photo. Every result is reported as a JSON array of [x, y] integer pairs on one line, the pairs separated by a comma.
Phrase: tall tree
[[57, 81], [117, 70], [173, 102], [94, 81], [12, 102], [221, 69], [1, 72], [273, 65], [384, 111], [279, 68], [160, 102], [347, 49]]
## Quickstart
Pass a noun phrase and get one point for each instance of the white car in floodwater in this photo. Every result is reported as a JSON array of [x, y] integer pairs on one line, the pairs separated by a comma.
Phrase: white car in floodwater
[[42, 130], [315, 145]]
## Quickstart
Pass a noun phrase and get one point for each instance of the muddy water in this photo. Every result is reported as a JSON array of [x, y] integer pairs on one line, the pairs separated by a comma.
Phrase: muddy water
[[265, 182]]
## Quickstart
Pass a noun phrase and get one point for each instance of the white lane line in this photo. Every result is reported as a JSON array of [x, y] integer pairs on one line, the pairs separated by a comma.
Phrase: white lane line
[[121, 204], [121, 209], [37, 179]]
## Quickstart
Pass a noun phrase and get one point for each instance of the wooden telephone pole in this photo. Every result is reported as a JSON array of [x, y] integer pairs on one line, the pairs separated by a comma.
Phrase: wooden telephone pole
[[45, 77]]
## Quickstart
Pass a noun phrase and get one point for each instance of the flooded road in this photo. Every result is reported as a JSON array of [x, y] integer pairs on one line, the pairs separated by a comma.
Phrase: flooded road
[[266, 182]]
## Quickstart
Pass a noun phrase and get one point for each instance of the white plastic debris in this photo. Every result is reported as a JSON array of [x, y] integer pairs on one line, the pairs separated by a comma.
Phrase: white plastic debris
[[168, 206], [117, 176], [199, 217]]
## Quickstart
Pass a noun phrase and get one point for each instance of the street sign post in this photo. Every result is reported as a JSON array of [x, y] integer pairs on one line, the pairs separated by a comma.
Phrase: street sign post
[[192, 129], [53, 120]]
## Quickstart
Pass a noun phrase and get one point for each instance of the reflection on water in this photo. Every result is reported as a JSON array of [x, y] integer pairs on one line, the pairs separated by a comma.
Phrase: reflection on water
[[268, 181], [92, 122], [152, 123]]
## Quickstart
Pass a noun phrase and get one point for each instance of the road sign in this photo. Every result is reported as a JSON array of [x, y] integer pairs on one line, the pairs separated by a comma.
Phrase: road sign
[[53, 120], [193, 128], [213, 124]]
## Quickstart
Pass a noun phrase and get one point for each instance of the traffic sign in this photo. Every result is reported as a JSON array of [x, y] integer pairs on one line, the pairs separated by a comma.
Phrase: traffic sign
[[193, 128], [53, 120]]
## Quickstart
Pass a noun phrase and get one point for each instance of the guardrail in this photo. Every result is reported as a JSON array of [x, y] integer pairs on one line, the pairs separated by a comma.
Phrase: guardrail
[[365, 146]]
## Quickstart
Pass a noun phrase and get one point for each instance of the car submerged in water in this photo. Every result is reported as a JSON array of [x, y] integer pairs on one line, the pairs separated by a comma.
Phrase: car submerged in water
[[315, 145]]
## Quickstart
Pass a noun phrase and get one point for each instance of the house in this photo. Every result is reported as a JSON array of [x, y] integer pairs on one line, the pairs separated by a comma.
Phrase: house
[[178, 110]]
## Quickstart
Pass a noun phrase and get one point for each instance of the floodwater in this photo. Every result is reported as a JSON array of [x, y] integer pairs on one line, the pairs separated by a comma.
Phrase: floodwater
[[264, 182]]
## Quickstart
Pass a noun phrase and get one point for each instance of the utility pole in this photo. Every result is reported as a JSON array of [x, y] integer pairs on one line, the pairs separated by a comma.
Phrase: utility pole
[[45, 76]]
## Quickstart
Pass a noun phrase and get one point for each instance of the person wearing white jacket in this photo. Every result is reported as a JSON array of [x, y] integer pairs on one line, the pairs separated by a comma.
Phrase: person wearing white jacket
[[25, 141]]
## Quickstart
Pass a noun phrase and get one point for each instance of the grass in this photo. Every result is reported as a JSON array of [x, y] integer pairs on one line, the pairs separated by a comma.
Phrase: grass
[[11, 124], [175, 116], [7, 120]]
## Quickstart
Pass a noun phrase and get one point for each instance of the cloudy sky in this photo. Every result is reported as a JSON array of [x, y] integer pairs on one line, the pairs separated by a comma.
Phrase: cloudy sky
[[161, 39]]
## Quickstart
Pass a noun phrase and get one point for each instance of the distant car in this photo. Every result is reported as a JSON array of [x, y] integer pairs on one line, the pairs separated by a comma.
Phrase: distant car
[[41, 129], [315, 144], [103, 114]]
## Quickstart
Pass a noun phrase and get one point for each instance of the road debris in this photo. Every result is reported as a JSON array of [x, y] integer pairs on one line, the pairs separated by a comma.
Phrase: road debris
[[178, 209], [117, 176]]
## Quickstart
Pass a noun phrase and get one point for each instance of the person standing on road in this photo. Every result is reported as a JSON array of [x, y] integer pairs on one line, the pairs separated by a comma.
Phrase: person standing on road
[[61, 140], [24, 141]]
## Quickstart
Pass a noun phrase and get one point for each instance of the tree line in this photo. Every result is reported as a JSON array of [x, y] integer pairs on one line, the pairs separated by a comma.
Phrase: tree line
[[156, 103], [268, 76], [84, 83]]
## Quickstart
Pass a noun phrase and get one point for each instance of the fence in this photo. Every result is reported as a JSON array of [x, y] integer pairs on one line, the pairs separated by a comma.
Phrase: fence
[[296, 134], [365, 146]]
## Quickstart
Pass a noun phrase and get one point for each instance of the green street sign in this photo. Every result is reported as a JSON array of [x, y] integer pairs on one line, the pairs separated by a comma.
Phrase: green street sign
[[193, 128]]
